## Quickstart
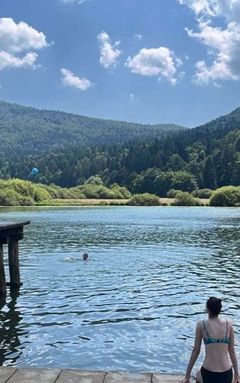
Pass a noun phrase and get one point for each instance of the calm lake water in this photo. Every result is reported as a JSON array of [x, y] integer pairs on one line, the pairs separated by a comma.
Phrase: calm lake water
[[133, 305]]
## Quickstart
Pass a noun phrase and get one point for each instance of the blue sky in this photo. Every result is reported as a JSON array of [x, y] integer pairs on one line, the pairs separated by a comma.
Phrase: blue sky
[[149, 61]]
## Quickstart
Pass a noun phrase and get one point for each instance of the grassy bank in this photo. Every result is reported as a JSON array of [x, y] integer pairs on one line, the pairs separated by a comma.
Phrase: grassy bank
[[16, 192], [83, 202], [104, 202]]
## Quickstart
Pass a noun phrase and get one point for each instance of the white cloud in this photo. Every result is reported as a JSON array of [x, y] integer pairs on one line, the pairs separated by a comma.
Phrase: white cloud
[[9, 60], [70, 79], [133, 97], [222, 42], [159, 62], [230, 9], [204, 7], [16, 38], [108, 50], [20, 37], [138, 36], [75, 1]]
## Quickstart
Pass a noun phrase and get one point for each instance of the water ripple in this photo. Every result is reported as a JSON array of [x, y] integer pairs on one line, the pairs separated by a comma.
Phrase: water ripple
[[133, 305]]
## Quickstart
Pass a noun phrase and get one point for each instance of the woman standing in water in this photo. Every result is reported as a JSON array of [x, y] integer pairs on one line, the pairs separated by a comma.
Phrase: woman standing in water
[[218, 337]]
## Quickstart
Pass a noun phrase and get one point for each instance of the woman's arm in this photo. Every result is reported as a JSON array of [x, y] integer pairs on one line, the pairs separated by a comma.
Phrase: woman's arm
[[232, 354], [195, 352]]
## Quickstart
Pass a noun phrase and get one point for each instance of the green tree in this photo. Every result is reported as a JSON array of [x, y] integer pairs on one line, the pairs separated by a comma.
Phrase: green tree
[[209, 174]]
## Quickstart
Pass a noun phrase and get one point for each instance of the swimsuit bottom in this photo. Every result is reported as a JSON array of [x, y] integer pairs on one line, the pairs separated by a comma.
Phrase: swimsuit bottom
[[216, 377]]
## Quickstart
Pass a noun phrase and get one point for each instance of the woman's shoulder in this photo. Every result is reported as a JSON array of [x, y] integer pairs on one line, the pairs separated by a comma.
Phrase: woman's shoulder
[[200, 323], [226, 320]]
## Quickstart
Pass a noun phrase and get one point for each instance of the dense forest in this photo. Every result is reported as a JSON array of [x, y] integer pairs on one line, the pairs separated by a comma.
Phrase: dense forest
[[27, 130], [204, 157]]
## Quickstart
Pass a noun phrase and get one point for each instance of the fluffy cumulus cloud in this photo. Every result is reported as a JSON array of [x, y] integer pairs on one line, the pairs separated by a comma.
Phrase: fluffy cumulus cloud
[[8, 60], [224, 46], [230, 9], [160, 62], [109, 51], [17, 42], [222, 42], [70, 79], [207, 7]]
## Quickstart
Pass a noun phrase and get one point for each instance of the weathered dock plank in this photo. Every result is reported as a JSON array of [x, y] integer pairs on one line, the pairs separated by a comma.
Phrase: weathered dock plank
[[166, 378], [79, 376], [55, 375], [35, 375], [125, 377], [6, 373]]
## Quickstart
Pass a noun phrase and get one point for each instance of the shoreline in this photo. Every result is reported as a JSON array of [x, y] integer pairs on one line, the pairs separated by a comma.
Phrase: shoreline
[[105, 202], [164, 202]]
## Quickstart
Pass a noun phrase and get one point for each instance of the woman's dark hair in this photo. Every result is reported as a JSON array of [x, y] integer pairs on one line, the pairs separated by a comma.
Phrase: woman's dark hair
[[214, 305]]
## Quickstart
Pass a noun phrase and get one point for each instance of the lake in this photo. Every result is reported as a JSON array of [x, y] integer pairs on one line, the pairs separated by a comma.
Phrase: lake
[[134, 303]]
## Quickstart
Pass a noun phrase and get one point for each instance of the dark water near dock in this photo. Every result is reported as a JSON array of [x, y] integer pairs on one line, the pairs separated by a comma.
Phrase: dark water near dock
[[133, 305]]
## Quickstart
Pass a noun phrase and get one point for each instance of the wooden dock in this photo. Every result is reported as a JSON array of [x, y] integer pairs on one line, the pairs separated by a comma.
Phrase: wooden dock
[[55, 375], [10, 234]]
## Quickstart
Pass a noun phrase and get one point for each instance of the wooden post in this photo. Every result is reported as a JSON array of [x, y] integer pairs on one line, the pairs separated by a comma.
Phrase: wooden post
[[10, 233], [3, 289], [13, 260]]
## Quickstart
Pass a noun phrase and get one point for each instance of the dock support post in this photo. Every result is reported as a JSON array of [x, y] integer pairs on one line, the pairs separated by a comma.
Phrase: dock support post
[[10, 233], [3, 289], [13, 259]]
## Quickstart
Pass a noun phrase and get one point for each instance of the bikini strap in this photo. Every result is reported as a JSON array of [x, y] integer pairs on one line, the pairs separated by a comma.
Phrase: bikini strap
[[226, 328], [205, 328]]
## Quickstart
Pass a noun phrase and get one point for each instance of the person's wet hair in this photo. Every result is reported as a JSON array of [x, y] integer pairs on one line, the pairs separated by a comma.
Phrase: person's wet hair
[[214, 306]]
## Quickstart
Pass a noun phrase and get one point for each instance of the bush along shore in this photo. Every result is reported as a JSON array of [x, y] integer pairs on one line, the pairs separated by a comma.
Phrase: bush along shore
[[17, 192]]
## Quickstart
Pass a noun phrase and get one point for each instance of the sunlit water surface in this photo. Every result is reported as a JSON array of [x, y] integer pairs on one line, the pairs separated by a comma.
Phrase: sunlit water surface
[[133, 305]]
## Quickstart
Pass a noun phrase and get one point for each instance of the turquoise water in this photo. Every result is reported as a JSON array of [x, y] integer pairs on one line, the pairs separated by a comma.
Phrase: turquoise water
[[133, 305]]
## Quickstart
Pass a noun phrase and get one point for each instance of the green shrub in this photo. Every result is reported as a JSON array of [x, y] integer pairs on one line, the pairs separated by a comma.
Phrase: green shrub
[[94, 180], [226, 196], [39, 193], [100, 191], [186, 199], [57, 192], [144, 199], [172, 193], [25, 201], [120, 192], [73, 193], [202, 193], [20, 186], [9, 197], [89, 191], [104, 192]]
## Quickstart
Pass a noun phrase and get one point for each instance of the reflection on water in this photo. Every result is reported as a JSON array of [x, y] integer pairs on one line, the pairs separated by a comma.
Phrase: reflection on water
[[10, 331], [134, 303]]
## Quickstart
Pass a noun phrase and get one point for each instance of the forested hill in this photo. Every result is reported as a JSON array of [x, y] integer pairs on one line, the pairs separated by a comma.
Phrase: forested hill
[[204, 157], [28, 130]]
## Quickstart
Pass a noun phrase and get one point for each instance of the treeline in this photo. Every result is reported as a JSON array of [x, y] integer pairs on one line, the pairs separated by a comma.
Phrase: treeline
[[204, 157]]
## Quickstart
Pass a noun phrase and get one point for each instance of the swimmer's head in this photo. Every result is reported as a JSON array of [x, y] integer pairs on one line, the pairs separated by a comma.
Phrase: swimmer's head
[[214, 306], [85, 256]]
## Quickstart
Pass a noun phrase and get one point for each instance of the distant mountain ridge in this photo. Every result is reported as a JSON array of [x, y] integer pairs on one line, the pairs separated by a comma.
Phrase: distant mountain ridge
[[207, 156], [30, 130]]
